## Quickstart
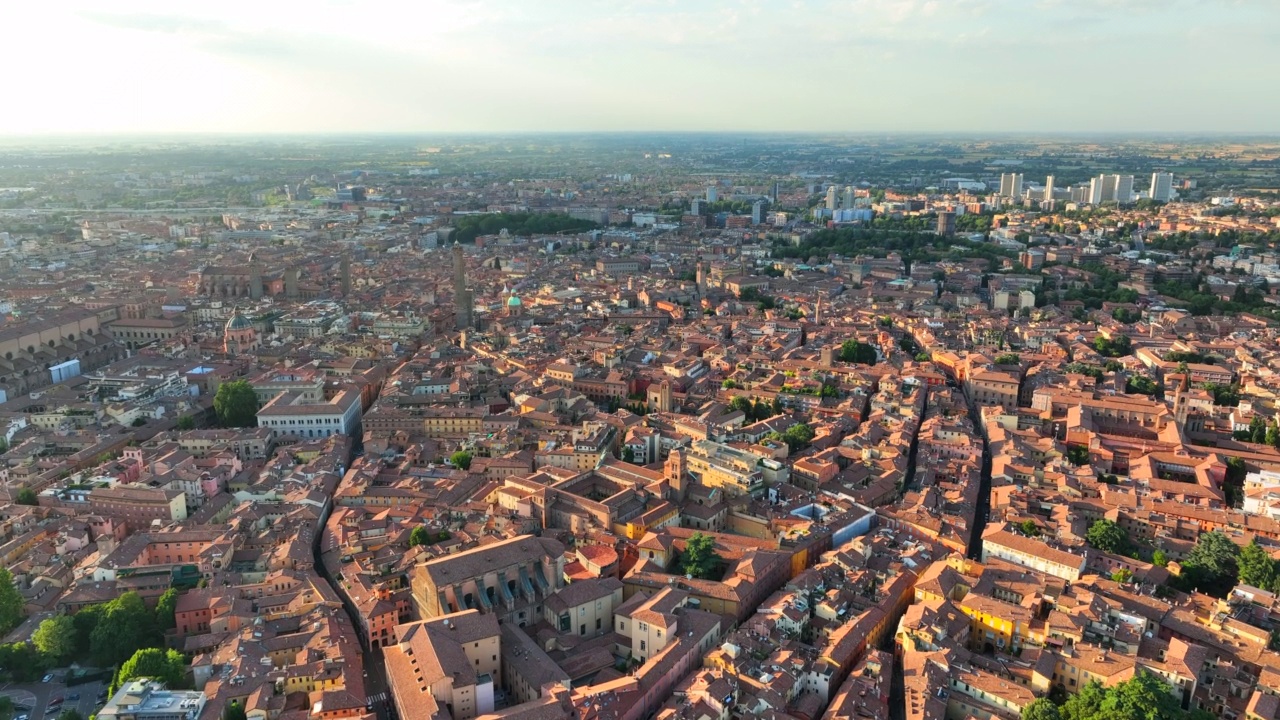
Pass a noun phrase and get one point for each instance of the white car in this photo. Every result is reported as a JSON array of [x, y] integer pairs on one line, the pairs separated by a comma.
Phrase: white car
[[48, 678]]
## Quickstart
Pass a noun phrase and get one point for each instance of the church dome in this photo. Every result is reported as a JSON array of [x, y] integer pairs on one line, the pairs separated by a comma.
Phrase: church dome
[[238, 322], [513, 301]]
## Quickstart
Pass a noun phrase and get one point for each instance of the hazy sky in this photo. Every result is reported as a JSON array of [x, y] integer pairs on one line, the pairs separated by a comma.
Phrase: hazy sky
[[566, 65]]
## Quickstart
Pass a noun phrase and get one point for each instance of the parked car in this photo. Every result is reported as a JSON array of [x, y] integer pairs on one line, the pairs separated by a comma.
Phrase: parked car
[[48, 678], [73, 697]]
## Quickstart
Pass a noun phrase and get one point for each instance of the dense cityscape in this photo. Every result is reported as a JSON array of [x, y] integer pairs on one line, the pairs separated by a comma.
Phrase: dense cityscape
[[620, 427]]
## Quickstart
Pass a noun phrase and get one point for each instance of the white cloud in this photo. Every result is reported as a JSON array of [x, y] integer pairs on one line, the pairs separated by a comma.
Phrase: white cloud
[[493, 65]]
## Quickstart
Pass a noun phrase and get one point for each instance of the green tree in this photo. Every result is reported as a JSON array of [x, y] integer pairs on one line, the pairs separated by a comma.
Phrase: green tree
[[1212, 565], [1125, 315], [56, 638], [729, 384], [1117, 346], [233, 711], [1041, 709], [1123, 575], [1141, 385], [125, 627], [419, 536], [70, 714], [1159, 558], [628, 455], [27, 496], [166, 608], [1085, 705], [1108, 536], [700, 558], [186, 422], [1257, 568], [6, 707], [11, 603], [856, 351], [22, 661], [1272, 435], [742, 404], [797, 436], [1078, 456], [461, 459], [236, 404], [1257, 429], [1029, 528], [1008, 359], [167, 666], [1142, 697]]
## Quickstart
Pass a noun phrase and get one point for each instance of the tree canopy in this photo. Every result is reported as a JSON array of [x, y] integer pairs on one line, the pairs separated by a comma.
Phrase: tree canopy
[[11, 602], [56, 638], [1108, 536], [236, 404], [233, 711], [856, 351], [125, 627], [1257, 568], [1212, 565], [1078, 456], [167, 666], [21, 661], [796, 437], [166, 606], [461, 459], [1117, 346], [1041, 709], [467, 228], [1142, 385], [757, 410], [27, 496], [1145, 696], [419, 536], [700, 558]]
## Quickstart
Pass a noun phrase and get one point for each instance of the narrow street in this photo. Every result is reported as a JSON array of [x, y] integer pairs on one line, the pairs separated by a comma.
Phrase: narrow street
[[897, 690], [377, 693]]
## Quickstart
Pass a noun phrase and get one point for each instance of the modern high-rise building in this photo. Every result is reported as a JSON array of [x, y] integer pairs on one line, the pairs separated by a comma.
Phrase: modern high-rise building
[[848, 196], [1097, 190], [711, 193], [1124, 189], [1161, 186], [1111, 188], [757, 212], [774, 196], [1011, 185], [1109, 184], [1048, 188], [831, 198]]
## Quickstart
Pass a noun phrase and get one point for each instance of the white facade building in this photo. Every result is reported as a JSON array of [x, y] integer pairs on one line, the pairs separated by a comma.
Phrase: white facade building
[[292, 414]]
